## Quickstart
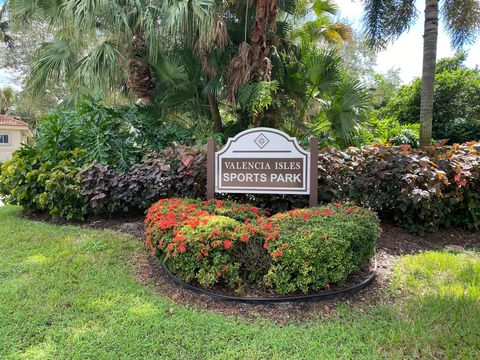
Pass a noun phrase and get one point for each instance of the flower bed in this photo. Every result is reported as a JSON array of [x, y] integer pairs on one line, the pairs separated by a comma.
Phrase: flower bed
[[222, 243]]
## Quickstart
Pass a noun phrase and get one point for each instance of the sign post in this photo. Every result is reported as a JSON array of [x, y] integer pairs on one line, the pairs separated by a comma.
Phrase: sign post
[[210, 169], [263, 161], [313, 171]]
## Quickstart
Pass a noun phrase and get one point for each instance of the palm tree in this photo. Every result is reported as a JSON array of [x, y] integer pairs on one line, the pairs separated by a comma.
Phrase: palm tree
[[7, 98], [386, 20], [323, 28], [104, 46]]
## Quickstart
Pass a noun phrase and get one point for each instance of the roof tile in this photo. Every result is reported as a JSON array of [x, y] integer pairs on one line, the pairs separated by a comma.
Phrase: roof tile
[[4, 120]]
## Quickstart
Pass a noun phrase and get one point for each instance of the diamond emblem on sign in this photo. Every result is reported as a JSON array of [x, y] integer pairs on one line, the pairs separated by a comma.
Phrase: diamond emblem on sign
[[261, 141]]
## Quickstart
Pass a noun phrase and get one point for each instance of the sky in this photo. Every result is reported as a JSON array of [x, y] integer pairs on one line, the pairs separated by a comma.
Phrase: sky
[[405, 53]]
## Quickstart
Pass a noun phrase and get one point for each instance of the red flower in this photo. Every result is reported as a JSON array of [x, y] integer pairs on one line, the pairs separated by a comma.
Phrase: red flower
[[227, 244], [182, 247], [265, 246], [247, 220], [245, 237]]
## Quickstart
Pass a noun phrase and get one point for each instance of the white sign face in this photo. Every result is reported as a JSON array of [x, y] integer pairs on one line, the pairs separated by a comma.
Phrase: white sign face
[[262, 161]]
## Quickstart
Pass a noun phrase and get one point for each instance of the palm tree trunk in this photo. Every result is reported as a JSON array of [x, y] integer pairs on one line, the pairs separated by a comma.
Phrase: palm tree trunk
[[140, 81], [428, 72], [217, 119], [266, 14]]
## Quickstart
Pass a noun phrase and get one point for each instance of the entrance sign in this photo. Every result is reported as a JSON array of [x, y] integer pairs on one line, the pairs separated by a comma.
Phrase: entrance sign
[[263, 161]]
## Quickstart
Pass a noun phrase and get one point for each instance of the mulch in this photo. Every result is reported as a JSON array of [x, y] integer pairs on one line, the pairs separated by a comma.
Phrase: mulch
[[393, 243]]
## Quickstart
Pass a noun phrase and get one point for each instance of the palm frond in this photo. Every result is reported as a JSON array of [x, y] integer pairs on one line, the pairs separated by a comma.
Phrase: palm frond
[[323, 69], [345, 110], [187, 17], [214, 86], [462, 21], [321, 7], [169, 70], [101, 69], [288, 6], [254, 97], [55, 60], [385, 20]]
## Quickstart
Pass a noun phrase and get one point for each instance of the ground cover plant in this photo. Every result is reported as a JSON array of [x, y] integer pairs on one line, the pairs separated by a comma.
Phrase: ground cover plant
[[235, 245], [72, 292]]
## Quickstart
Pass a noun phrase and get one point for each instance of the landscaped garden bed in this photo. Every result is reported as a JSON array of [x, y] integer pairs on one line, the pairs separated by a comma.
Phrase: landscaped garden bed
[[236, 247]]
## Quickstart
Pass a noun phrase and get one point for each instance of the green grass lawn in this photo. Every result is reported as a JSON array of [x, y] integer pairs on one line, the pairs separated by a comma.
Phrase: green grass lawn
[[68, 292]]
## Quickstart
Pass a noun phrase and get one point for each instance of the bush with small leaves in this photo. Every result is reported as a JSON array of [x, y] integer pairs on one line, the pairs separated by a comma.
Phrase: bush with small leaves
[[303, 250], [317, 247]]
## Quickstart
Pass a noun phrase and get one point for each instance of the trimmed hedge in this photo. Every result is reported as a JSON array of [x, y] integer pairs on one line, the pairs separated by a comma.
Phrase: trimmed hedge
[[69, 188], [236, 246], [325, 245]]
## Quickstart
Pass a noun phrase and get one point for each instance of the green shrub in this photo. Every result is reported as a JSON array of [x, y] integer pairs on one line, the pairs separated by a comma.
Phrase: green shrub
[[420, 191], [197, 244], [317, 247], [406, 137], [390, 130], [303, 250], [46, 186], [456, 110], [18, 179], [104, 133]]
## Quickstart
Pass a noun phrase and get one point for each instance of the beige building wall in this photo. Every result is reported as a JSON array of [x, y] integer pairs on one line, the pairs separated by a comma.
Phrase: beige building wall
[[17, 136]]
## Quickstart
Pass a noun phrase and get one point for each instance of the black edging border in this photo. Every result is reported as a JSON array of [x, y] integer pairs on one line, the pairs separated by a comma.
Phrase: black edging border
[[327, 295]]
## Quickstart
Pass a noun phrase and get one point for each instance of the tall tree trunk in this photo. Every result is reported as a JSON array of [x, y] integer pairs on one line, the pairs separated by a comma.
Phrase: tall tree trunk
[[139, 79], [217, 119], [428, 72], [265, 17]]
